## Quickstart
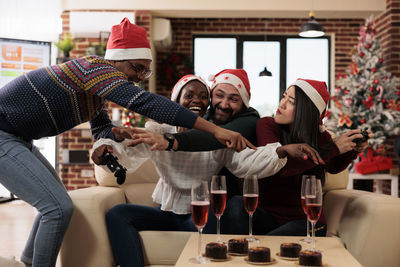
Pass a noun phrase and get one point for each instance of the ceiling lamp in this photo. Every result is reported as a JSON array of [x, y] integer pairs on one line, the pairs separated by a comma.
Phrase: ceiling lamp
[[312, 28], [265, 73]]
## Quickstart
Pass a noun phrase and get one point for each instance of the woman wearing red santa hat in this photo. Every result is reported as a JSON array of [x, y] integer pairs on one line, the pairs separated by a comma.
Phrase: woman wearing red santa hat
[[297, 120], [51, 100]]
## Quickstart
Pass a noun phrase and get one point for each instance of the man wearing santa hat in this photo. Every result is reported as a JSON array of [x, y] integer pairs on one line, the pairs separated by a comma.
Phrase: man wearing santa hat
[[51, 100], [229, 109]]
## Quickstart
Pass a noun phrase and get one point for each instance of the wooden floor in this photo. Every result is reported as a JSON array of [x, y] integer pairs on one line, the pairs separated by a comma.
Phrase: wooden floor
[[16, 219]]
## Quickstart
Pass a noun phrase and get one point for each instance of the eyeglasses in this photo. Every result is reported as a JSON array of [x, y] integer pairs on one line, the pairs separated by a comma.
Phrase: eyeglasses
[[141, 70]]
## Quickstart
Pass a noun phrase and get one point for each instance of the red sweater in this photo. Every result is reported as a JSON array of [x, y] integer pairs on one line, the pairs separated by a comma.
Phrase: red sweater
[[280, 194]]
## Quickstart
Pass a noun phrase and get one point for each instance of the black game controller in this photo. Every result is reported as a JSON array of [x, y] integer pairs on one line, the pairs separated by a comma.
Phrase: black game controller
[[114, 166], [363, 139]]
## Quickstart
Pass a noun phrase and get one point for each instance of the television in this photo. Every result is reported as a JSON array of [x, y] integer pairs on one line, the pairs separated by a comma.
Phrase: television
[[16, 58], [21, 56]]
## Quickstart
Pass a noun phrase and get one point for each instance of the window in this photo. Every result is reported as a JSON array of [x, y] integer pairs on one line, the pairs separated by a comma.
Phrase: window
[[286, 57]]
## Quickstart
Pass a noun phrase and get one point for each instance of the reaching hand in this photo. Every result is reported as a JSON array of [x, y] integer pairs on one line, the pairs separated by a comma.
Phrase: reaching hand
[[345, 142], [303, 151], [97, 155], [233, 140], [154, 140], [122, 133]]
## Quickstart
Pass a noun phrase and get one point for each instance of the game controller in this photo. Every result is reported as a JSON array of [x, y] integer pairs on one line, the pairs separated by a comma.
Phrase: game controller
[[363, 139], [114, 166]]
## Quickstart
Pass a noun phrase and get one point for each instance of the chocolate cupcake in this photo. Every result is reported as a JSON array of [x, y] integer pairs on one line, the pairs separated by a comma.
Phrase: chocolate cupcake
[[310, 258], [238, 246], [216, 250], [259, 254], [290, 250]]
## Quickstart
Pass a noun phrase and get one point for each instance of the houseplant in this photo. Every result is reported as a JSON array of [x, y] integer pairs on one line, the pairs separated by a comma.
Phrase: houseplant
[[66, 44]]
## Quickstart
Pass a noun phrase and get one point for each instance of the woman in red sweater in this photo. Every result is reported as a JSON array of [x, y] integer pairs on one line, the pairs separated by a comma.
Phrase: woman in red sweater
[[297, 120]]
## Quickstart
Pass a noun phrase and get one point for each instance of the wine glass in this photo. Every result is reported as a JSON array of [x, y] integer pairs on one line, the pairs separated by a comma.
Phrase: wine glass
[[218, 199], [250, 199], [303, 204], [200, 206], [313, 204]]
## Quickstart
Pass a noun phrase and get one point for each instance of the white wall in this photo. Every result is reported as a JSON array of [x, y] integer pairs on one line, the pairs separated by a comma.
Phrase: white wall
[[238, 8]]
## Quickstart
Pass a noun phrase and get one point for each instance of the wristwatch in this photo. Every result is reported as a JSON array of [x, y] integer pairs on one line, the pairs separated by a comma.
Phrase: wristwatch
[[170, 138]]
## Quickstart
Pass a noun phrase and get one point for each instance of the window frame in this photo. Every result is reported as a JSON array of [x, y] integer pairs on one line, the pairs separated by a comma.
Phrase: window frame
[[240, 39]]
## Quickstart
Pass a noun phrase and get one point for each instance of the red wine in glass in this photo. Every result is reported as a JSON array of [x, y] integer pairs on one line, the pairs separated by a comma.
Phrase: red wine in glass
[[313, 212], [218, 202], [200, 205], [250, 202], [200, 213], [303, 204]]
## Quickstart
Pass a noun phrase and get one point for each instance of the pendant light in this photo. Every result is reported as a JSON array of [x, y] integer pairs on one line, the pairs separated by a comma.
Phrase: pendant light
[[265, 72], [312, 28]]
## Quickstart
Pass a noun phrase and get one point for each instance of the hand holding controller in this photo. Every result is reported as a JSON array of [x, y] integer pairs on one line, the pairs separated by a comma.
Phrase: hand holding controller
[[363, 139], [114, 166]]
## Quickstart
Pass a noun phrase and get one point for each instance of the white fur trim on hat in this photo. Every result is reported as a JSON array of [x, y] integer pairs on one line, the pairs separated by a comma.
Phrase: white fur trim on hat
[[182, 82], [236, 82], [127, 54], [312, 93]]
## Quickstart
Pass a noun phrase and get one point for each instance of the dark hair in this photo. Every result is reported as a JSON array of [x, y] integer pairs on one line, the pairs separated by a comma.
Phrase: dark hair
[[305, 128]]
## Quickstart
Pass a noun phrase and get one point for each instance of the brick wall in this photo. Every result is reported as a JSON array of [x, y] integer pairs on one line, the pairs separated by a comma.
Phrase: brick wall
[[345, 34]]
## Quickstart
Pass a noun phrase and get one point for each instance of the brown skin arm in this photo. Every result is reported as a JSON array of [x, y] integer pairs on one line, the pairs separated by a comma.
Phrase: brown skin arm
[[303, 151]]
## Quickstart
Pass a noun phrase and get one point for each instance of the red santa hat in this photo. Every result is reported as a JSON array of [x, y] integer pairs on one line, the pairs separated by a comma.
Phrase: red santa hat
[[318, 93], [128, 41], [182, 82], [236, 77]]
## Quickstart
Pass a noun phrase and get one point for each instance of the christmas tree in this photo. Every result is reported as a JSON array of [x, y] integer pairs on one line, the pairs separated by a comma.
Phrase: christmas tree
[[367, 96]]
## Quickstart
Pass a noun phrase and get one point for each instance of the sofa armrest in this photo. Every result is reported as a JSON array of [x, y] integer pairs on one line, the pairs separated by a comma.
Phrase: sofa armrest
[[163, 247], [86, 241], [367, 223]]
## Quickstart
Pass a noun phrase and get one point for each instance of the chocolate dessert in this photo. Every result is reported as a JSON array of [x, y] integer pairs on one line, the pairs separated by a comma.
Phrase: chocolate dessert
[[310, 258], [238, 246], [290, 250], [216, 250], [259, 254]]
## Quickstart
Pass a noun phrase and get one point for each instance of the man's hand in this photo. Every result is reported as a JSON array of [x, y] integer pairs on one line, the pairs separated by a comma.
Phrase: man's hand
[[232, 140], [154, 140], [303, 151], [121, 133], [98, 154], [229, 138]]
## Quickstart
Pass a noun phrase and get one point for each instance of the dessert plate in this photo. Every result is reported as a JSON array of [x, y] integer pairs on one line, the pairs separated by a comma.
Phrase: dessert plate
[[286, 258], [228, 258], [273, 261], [237, 254], [323, 264]]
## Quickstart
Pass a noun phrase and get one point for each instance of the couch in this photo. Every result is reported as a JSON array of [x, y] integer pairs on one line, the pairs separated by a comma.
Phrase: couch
[[368, 224]]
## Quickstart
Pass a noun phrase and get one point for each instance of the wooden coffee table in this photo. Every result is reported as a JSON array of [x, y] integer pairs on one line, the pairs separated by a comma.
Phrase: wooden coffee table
[[334, 253]]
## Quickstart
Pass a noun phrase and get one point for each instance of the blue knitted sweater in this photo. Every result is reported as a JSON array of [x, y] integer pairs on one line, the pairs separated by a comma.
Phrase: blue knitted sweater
[[51, 100]]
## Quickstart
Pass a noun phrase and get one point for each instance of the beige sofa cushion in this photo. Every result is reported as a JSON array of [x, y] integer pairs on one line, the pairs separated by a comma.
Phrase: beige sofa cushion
[[336, 181], [146, 173]]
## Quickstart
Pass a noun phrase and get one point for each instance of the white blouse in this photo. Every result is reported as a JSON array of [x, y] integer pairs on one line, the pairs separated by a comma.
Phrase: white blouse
[[178, 170]]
